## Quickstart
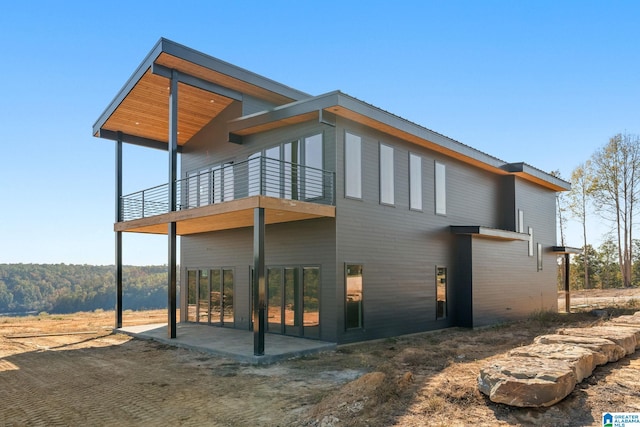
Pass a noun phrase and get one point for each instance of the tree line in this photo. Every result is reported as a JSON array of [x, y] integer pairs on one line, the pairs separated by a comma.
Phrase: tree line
[[606, 187], [62, 288]]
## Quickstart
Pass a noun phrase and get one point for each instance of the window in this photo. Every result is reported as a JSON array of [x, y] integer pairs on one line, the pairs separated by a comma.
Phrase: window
[[254, 175], [539, 256], [271, 174], [441, 189], [192, 189], [353, 166], [386, 175], [441, 292], [353, 307], [292, 170], [313, 167], [520, 221], [415, 182], [311, 301], [223, 182], [210, 296], [530, 241]]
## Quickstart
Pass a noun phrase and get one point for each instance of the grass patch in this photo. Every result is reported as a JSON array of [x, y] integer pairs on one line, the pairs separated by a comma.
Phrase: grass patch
[[547, 317]]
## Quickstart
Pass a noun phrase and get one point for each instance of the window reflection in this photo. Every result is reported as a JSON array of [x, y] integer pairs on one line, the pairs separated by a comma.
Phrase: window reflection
[[311, 301], [441, 292], [354, 296]]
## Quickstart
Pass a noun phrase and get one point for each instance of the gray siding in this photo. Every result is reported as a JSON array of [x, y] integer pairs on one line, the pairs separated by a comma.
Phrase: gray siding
[[506, 284], [400, 248], [252, 105]]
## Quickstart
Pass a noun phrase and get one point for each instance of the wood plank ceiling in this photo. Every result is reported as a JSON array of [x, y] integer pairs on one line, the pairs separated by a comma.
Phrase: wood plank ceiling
[[144, 112]]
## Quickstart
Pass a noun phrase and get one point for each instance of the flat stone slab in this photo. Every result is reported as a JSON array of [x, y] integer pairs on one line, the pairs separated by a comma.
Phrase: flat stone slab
[[527, 381], [604, 350], [624, 337], [580, 359], [629, 320]]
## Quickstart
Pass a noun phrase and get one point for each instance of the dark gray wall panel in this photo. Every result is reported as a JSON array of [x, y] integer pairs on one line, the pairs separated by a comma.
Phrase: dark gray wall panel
[[400, 248], [506, 283], [252, 105]]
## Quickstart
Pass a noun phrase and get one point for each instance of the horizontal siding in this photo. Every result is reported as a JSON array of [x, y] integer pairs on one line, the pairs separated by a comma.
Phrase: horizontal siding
[[252, 105], [506, 283], [400, 248]]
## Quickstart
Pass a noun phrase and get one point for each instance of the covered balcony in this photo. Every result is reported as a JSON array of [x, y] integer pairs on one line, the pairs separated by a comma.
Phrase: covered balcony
[[225, 197]]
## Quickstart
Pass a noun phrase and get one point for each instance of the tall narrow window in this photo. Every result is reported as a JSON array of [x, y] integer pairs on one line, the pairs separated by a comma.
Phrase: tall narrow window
[[353, 305], [415, 182], [353, 166], [530, 241], [313, 163], [291, 173], [192, 189], [520, 221], [311, 301], [441, 292], [271, 173], [204, 187], [192, 295], [255, 184], [386, 175], [539, 256], [441, 189]]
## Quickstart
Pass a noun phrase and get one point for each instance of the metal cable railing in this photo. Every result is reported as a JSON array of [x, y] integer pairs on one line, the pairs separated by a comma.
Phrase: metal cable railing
[[257, 176]]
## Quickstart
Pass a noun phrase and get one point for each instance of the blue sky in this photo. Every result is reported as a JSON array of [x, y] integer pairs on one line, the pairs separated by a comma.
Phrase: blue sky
[[544, 82]]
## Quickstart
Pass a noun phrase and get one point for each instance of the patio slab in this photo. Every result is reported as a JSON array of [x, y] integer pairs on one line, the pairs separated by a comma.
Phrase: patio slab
[[233, 344]]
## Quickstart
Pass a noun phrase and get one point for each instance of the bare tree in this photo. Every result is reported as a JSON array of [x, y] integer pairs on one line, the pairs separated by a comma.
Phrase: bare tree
[[581, 188], [561, 207], [616, 175]]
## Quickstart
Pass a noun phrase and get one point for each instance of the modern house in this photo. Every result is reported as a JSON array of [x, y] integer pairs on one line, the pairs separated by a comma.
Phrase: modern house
[[324, 217]]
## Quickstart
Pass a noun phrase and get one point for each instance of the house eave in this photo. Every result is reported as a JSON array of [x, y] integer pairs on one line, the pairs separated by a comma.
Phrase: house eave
[[489, 233]]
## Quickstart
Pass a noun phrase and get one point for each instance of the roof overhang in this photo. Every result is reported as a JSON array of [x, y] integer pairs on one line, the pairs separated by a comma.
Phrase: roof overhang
[[566, 250], [532, 174], [489, 233], [325, 107], [139, 113]]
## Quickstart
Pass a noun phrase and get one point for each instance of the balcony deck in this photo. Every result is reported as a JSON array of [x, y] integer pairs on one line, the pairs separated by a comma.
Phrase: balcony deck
[[227, 215], [223, 198]]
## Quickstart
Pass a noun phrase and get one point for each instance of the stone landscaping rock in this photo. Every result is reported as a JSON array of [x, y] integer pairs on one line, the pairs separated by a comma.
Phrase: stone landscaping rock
[[580, 359], [631, 320], [527, 381], [605, 350], [624, 337], [543, 373]]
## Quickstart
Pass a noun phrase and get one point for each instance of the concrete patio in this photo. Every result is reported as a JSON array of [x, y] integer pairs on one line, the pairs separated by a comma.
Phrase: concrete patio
[[229, 343]]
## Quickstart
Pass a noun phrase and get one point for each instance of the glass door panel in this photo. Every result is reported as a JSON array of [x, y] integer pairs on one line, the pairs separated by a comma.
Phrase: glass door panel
[[274, 299], [290, 170], [203, 297], [292, 294], [311, 301], [227, 298], [215, 297], [272, 173], [313, 162], [192, 296]]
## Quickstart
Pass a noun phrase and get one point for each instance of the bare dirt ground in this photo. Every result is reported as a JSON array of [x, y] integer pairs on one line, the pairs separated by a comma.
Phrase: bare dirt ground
[[100, 378]]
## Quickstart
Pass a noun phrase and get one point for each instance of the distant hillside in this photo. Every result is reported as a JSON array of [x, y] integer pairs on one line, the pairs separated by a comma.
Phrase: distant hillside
[[62, 288]]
